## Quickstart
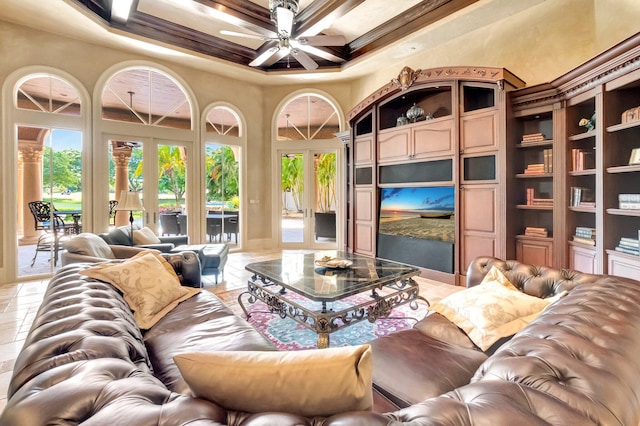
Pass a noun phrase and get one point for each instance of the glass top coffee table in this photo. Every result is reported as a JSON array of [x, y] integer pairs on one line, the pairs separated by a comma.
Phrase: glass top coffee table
[[326, 277]]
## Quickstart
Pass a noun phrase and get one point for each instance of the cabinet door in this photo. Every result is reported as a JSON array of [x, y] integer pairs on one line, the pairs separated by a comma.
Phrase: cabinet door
[[479, 206], [365, 229], [364, 150], [433, 139], [534, 252], [582, 259], [479, 132], [394, 145], [622, 265]]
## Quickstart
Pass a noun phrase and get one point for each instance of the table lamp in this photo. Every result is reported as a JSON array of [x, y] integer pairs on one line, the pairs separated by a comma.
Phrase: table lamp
[[130, 201]]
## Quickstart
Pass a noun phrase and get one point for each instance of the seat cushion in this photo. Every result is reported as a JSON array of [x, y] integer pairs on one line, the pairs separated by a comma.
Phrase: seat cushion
[[409, 366], [89, 245], [201, 323]]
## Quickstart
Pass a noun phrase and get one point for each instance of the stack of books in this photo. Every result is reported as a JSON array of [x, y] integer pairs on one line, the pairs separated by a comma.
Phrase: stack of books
[[585, 235], [629, 201], [532, 138], [581, 160], [535, 169], [530, 231], [629, 246], [581, 197], [532, 200]]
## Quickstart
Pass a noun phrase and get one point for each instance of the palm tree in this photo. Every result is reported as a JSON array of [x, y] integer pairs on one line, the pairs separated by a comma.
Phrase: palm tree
[[293, 178], [325, 182], [222, 174], [172, 171]]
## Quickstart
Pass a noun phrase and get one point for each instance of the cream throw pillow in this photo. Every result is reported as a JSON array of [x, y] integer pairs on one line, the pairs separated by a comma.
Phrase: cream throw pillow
[[317, 382], [491, 310], [145, 236], [149, 284]]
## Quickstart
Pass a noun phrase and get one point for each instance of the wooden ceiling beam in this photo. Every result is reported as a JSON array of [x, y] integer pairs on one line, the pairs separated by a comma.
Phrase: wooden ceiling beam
[[307, 21]]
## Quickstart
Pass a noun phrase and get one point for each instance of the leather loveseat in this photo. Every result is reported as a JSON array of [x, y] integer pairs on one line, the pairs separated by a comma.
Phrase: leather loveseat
[[577, 363]]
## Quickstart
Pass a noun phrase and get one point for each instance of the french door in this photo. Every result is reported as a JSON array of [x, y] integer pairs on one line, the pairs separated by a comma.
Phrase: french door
[[157, 170], [308, 201]]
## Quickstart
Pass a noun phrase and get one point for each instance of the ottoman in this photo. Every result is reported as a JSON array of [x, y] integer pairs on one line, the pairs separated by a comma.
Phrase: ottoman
[[212, 257]]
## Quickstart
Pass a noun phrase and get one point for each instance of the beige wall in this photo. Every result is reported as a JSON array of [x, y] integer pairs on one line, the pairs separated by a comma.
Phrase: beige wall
[[538, 44]]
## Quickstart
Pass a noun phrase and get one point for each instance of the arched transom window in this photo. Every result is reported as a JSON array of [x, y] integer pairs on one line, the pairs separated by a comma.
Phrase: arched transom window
[[223, 121], [148, 97], [308, 117], [47, 93]]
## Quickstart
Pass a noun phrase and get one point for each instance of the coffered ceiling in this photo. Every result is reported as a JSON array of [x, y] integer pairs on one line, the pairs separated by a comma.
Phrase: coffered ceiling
[[196, 25]]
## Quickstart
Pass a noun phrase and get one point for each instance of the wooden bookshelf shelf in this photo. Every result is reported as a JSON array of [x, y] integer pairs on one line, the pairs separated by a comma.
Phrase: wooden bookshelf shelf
[[623, 126], [534, 175], [624, 169], [625, 212], [581, 136], [546, 142], [530, 207]]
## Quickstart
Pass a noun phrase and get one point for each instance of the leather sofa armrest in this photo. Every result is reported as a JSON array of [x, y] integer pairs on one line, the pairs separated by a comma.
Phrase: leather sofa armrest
[[161, 247], [67, 258], [187, 267], [125, 252], [176, 240]]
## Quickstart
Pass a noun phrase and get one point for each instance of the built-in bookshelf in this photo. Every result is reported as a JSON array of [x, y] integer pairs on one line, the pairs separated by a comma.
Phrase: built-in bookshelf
[[532, 135], [594, 219]]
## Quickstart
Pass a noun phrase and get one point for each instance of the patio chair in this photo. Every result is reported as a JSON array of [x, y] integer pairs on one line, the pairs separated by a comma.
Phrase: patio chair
[[53, 226], [231, 227], [112, 211], [169, 224]]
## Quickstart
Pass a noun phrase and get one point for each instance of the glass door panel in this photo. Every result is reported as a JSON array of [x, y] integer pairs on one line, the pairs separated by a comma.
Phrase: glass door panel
[[308, 188], [292, 177], [49, 191], [222, 194], [325, 177], [171, 194]]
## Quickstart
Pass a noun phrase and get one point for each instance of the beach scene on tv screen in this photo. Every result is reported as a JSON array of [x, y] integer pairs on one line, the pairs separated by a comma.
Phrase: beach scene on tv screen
[[419, 212]]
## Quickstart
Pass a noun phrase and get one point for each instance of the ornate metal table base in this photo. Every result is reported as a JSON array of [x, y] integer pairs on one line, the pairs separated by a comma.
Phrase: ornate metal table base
[[325, 321]]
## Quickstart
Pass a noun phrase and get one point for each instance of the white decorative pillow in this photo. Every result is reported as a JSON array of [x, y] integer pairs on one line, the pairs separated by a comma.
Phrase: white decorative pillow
[[491, 310], [149, 284], [145, 236], [89, 245], [317, 382]]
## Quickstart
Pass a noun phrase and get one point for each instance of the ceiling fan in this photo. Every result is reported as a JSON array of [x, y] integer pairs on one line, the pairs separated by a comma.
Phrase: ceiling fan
[[283, 13]]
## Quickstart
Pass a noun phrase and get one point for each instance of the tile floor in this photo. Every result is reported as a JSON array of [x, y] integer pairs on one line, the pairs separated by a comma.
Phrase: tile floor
[[19, 303]]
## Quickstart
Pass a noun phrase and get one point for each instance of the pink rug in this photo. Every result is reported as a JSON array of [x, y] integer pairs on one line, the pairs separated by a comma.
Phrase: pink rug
[[287, 334]]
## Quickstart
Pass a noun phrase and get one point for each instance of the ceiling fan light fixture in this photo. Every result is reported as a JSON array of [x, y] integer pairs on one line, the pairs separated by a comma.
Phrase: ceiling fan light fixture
[[120, 10], [282, 13]]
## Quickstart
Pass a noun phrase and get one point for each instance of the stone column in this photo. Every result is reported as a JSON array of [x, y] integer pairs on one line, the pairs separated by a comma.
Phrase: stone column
[[32, 189], [121, 158]]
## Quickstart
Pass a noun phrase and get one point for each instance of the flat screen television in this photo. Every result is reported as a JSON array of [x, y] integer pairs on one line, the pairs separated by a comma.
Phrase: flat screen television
[[416, 225]]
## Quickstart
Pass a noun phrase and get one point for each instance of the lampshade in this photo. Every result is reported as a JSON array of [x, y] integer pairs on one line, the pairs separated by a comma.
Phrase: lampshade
[[284, 19], [130, 201]]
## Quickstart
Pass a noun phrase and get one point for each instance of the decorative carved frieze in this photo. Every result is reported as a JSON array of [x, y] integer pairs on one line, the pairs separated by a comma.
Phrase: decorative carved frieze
[[408, 78]]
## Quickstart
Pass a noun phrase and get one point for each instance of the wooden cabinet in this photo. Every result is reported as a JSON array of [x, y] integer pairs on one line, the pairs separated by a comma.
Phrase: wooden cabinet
[[623, 265], [418, 141], [454, 147], [361, 233], [582, 258]]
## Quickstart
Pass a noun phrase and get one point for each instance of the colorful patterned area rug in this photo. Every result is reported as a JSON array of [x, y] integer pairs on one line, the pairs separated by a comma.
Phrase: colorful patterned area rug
[[287, 334]]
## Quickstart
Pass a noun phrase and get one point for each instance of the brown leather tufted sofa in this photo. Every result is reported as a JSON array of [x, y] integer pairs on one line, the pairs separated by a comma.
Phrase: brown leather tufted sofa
[[85, 361]]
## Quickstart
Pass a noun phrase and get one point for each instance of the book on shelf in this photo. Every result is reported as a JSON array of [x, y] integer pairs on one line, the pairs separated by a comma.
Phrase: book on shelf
[[547, 155], [531, 138], [581, 160], [586, 241], [629, 243], [581, 196], [585, 232], [531, 231], [530, 195], [629, 201], [542, 202], [535, 169], [626, 250]]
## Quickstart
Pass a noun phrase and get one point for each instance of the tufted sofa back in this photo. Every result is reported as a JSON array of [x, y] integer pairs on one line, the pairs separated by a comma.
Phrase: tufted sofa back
[[538, 281]]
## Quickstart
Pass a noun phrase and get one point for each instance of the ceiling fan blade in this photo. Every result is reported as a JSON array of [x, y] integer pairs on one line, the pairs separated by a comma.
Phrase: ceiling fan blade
[[323, 40], [275, 57], [263, 57], [304, 59], [245, 35]]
